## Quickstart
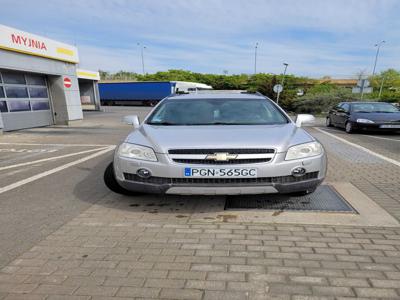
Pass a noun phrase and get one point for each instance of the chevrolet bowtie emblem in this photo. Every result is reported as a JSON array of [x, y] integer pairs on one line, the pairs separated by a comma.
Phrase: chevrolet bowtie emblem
[[221, 156]]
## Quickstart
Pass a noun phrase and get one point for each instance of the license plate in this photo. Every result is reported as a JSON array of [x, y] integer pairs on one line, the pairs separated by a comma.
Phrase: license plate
[[389, 126], [220, 172]]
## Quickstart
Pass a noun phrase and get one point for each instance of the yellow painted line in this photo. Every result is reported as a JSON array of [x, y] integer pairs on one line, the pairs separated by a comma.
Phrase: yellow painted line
[[37, 54], [65, 51]]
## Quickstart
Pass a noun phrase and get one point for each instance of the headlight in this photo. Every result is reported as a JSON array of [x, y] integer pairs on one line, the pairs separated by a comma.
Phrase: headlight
[[364, 121], [136, 152], [304, 150]]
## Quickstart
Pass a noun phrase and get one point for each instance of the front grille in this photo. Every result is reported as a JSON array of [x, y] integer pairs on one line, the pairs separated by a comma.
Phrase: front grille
[[212, 151], [242, 156], [213, 162], [220, 181]]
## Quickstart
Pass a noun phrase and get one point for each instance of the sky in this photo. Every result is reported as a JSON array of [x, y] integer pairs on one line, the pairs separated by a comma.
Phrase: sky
[[315, 37]]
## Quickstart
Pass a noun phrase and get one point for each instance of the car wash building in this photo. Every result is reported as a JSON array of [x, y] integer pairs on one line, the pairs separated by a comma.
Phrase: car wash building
[[40, 83]]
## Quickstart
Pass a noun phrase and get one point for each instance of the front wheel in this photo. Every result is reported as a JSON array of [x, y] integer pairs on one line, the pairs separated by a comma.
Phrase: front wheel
[[112, 183], [349, 127]]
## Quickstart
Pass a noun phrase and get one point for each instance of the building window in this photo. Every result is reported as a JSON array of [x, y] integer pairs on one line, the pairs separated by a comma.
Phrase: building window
[[35, 80], [40, 105], [13, 78], [19, 105], [3, 106], [16, 92], [1, 92], [38, 92]]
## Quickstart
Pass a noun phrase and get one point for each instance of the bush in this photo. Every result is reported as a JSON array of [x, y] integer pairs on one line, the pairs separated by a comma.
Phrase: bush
[[320, 103]]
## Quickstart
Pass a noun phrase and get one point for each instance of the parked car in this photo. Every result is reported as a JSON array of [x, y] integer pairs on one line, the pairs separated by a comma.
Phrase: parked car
[[353, 116], [217, 144]]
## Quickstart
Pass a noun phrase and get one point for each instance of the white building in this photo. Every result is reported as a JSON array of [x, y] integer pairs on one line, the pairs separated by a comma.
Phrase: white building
[[40, 83]]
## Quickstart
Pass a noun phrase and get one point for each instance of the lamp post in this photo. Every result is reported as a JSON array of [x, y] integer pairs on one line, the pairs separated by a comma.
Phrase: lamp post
[[381, 87], [142, 54], [283, 80], [255, 58], [378, 45]]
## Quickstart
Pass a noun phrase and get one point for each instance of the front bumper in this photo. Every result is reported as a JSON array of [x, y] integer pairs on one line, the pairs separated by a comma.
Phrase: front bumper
[[373, 127], [272, 177]]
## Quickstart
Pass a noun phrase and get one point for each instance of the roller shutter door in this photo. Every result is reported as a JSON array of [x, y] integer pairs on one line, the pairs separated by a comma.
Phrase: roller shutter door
[[24, 100]]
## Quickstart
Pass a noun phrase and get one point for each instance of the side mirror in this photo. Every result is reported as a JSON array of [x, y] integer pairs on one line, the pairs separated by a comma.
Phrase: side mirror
[[131, 120], [304, 119]]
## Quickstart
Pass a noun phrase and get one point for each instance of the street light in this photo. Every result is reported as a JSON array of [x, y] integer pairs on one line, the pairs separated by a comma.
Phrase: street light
[[380, 89], [378, 45], [283, 80], [255, 58], [141, 51]]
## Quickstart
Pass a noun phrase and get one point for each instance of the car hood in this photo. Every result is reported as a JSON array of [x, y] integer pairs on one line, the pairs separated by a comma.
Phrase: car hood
[[163, 138], [376, 117]]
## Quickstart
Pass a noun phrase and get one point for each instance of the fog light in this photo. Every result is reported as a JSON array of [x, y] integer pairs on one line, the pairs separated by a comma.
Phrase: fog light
[[144, 173], [299, 171]]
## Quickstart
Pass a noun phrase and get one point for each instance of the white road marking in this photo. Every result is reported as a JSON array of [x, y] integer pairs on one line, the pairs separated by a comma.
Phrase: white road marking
[[381, 138], [58, 145], [50, 158], [388, 159], [372, 136], [13, 150], [52, 171]]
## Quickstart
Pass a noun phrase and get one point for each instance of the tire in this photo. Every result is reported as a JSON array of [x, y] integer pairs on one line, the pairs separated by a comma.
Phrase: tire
[[348, 127], [328, 122], [112, 183]]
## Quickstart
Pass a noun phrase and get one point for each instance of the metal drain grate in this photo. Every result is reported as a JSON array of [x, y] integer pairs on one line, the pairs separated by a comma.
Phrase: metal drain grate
[[325, 198]]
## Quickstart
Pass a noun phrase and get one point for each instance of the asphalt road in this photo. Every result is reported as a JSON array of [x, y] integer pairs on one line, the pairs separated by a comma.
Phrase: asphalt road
[[387, 144], [30, 211]]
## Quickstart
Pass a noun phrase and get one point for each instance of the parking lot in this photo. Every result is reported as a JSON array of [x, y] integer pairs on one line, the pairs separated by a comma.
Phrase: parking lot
[[64, 235]]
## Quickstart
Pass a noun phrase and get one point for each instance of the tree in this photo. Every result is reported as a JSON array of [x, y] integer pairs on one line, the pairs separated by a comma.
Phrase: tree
[[389, 81], [318, 97]]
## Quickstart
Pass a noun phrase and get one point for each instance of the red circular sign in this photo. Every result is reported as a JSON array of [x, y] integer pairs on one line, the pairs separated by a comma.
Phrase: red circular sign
[[67, 82]]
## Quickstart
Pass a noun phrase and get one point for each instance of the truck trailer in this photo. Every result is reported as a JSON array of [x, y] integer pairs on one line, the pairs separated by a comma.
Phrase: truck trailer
[[144, 93]]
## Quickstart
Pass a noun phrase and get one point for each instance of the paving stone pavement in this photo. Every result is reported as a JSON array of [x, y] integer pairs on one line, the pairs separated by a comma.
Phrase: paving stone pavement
[[118, 253], [378, 179], [149, 247]]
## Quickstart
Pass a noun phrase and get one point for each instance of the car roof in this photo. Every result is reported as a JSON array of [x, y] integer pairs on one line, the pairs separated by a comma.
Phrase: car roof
[[217, 96]]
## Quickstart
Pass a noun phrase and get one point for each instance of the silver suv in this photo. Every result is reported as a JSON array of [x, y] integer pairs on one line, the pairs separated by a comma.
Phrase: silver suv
[[217, 144]]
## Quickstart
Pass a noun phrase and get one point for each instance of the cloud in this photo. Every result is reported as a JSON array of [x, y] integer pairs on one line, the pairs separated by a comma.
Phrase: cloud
[[315, 37]]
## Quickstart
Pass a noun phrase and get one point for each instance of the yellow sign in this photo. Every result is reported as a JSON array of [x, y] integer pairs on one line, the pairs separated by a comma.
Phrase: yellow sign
[[23, 42], [86, 74]]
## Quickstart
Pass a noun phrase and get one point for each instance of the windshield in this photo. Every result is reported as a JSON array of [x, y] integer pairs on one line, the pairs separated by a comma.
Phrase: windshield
[[216, 112], [374, 107]]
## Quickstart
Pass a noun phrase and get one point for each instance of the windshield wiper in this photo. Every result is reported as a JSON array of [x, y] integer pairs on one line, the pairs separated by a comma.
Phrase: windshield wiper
[[385, 112], [227, 123], [162, 123]]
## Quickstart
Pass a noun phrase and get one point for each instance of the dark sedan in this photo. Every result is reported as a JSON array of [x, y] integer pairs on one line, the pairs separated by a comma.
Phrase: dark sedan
[[352, 116]]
